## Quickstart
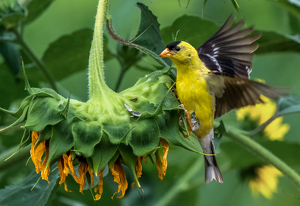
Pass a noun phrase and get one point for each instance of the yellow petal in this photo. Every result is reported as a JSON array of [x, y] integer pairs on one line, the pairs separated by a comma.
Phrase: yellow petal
[[83, 168], [160, 172], [63, 170], [70, 163], [119, 177], [100, 186], [165, 154], [138, 167], [265, 182]]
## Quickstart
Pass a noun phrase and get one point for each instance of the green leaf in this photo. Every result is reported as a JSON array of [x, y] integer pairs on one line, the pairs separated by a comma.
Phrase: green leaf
[[288, 105], [61, 140], [25, 193], [130, 160], [11, 54], [274, 42], [36, 8], [44, 111], [144, 137], [103, 153], [69, 54], [169, 130], [116, 131], [86, 136], [21, 119], [148, 38], [292, 6]]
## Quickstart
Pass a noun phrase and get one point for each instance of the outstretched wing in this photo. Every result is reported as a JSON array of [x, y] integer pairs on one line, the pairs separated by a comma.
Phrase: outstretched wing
[[229, 51], [228, 54], [241, 92]]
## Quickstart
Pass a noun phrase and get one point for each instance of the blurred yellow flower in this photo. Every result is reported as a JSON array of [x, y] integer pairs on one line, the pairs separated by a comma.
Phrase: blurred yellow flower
[[265, 181], [262, 112]]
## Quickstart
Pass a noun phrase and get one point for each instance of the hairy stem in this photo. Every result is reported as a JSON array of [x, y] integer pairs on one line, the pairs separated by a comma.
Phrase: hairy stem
[[241, 138], [39, 64], [97, 86]]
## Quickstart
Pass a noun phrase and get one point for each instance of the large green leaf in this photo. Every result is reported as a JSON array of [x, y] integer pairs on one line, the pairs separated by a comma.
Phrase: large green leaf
[[288, 105], [104, 151], [25, 193], [274, 42], [36, 8], [43, 111], [69, 54], [291, 6], [148, 38], [86, 136], [61, 140]]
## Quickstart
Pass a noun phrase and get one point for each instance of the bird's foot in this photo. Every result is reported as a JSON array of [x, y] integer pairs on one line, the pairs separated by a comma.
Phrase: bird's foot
[[188, 119]]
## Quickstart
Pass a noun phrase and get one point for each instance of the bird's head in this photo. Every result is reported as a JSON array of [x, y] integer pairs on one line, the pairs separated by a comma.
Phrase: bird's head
[[180, 52]]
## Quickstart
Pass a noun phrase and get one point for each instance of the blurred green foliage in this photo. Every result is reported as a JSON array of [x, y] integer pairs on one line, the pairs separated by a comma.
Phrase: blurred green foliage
[[60, 33]]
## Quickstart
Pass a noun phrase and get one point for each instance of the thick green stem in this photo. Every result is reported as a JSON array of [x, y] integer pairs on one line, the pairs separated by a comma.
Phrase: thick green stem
[[97, 86], [19, 40], [181, 185], [238, 136]]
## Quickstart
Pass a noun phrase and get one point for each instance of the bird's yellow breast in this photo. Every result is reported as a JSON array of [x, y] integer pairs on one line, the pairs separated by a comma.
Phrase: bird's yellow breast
[[192, 91]]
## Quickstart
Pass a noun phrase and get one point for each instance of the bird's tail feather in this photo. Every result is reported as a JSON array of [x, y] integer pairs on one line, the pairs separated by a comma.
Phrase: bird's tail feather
[[212, 170]]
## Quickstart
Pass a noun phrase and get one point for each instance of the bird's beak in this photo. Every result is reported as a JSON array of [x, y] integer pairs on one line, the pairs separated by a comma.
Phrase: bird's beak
[[166, 53]]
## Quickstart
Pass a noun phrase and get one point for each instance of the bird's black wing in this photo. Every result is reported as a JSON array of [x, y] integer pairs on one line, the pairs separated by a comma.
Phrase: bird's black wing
[[240, 92], [229, 51]]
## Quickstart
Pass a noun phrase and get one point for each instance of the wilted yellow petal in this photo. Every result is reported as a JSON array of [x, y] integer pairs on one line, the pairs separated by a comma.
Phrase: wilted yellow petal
[[70, 163], [165, 154], [119, 177], [160, 172], [100, 185], [83, 168], [265, 182], [138, 167], [63, 170], [45, 171], [37, 154]]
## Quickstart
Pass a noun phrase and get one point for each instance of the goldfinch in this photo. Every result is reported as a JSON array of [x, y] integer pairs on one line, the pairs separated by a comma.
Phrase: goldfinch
[[214, 79]]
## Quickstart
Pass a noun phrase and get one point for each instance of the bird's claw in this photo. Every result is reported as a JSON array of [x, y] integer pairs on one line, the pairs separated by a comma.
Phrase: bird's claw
[[187, 117]]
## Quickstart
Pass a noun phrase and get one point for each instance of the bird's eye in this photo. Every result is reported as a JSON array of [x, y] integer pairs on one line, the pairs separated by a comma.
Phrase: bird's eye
[[177, 48]]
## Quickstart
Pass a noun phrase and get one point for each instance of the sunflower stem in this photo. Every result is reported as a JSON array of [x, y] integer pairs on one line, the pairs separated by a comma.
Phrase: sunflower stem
[[181, 185], [97, 85], [238, 136]]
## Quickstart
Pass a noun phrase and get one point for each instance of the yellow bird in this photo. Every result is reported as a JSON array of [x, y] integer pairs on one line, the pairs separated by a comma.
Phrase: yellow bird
[[213, 80]]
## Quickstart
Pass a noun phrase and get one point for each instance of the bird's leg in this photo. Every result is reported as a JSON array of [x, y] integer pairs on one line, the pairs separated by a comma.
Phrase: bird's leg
[[187, 117]]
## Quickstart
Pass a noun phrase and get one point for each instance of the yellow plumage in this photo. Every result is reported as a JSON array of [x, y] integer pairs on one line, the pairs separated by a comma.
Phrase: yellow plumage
[[192, 88]]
